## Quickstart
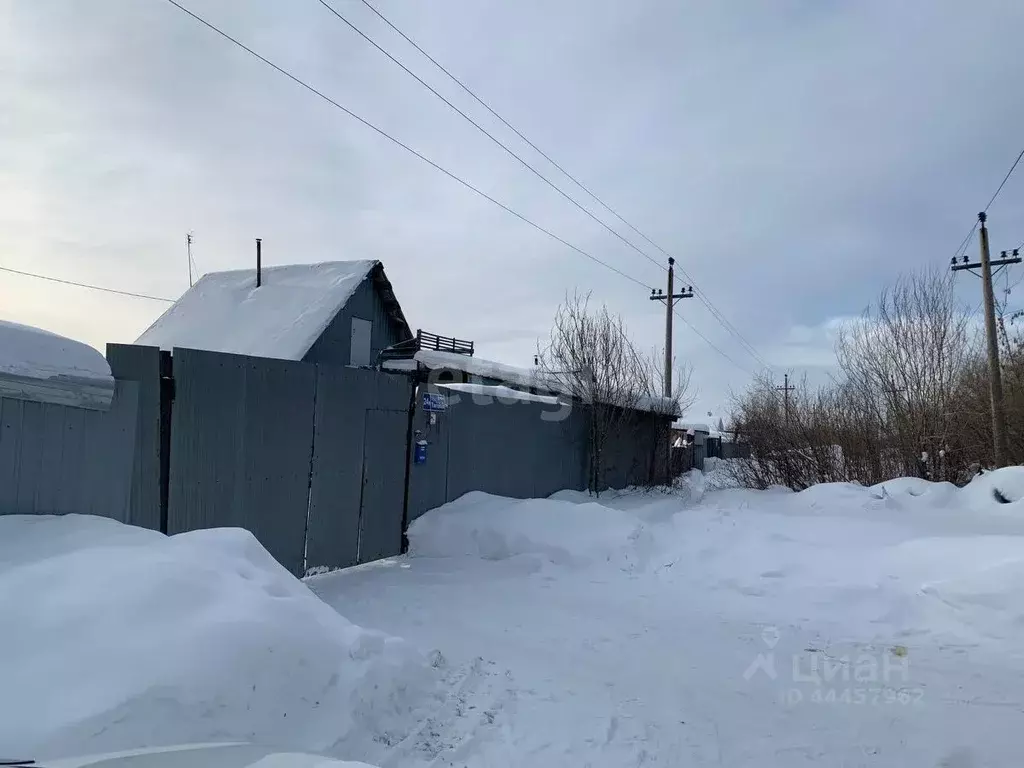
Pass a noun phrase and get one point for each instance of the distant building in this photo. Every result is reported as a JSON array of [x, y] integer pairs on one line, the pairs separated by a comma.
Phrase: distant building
[[689, 433]]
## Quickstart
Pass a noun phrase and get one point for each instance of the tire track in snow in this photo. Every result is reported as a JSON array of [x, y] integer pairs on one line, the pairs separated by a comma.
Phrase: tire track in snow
[[477, 699]]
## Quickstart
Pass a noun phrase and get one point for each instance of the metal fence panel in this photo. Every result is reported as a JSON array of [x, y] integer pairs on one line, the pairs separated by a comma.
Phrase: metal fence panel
[[332, 538], [504, 448], [241, 444], [343, 440], [110, 453], [74, 446], [60, 459], [142, 365], [380, 518], [31, 454]]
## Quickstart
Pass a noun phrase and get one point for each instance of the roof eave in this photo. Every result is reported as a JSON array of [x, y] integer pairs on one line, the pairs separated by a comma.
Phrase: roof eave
[[386, 291]]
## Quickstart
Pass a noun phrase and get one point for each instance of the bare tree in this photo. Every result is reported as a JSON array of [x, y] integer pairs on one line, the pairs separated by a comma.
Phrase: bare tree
[[906, 357], [590, 357], [909, 378]]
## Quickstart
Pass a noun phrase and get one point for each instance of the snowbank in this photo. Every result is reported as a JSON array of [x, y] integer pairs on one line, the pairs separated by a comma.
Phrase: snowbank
[[39, 354], [118, 638], [1008, 481], [559, 531], [744, 640]]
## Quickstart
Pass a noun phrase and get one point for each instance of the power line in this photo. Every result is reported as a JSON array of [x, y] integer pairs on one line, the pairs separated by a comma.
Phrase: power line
[[715, 312], [709, 343], [431, 163], [489, 135], [87, 285], [965, 241], [398, 142], [1005, 179], [974, 228]]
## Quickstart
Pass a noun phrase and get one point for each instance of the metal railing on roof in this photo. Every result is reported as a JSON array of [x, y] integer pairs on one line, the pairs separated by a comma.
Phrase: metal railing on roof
[[427, 340]]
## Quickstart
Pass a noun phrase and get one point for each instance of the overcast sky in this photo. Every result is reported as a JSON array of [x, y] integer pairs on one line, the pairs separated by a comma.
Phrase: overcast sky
[[795, 156]]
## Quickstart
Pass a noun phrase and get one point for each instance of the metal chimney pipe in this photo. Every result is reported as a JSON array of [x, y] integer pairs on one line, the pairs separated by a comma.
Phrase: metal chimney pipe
[[259, 262]]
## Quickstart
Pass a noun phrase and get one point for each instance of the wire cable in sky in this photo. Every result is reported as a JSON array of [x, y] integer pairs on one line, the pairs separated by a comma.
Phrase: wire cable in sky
[[403, 145], [434, 165], [701, 295], [490, 135], [87, 285], [965, 241], [708, 341], [1006, 178]]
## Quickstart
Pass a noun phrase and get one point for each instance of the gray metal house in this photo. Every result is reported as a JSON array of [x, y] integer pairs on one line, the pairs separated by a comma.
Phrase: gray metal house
[[332, 313]]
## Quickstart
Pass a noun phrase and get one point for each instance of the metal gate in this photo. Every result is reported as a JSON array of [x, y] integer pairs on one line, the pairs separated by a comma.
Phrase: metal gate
[[310, 459], [383, 484], [357, 476]]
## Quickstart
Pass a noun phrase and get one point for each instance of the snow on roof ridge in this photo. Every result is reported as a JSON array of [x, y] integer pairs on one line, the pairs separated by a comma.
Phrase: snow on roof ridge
[[283, 318], [278, 267]]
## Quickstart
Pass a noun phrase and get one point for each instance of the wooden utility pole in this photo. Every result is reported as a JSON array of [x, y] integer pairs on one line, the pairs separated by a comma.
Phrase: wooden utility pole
[[669, 299], [786, 389], [995, 376]]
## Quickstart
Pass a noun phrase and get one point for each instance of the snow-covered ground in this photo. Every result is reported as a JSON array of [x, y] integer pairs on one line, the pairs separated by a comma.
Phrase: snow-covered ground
[[115, 638], [841, 626]]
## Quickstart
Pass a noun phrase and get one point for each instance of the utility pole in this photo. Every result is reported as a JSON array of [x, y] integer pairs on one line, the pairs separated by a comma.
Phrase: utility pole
[[669, 299], [995, 377], [786, 389]]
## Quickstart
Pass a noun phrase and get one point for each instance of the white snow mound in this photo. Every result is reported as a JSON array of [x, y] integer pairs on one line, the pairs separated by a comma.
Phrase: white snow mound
[[979, 494], [119, 638], [559, 531]]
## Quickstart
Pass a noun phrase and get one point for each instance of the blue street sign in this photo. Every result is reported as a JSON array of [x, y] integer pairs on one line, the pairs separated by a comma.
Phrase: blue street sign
[[434, 402]]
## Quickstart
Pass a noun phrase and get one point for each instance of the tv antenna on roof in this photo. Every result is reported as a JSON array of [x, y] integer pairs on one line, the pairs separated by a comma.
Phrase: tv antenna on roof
[[188, 250]]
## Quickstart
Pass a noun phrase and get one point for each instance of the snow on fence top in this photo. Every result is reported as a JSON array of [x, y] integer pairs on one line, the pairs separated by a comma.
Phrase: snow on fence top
[[501, 393], [37, 354], [226, 312], [526, 378], [687, 426]]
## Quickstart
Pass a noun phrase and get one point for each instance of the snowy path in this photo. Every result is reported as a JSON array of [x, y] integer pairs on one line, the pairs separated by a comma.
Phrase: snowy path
[[637, 650]]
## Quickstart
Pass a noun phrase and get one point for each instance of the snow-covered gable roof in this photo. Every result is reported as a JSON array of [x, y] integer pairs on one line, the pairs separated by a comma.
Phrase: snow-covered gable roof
[[226, 312]]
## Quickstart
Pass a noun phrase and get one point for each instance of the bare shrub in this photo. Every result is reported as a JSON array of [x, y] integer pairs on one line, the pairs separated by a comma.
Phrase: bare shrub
[[590, 357], [904, 400]]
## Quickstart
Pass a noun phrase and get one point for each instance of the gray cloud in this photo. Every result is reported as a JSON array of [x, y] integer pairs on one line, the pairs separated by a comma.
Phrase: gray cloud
[[794, 156]]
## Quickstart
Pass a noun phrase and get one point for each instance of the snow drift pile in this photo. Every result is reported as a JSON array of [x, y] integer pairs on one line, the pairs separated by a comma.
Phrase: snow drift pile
[[842, 625], [498, 528], [117, 637], [951, 556]]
